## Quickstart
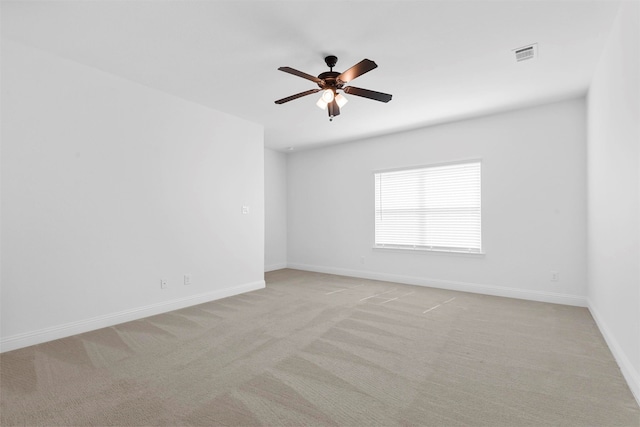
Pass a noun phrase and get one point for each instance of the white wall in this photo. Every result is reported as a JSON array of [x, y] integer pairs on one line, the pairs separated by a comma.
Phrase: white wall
[[534, 199], [614, 193], [275, 210], [109, 186]]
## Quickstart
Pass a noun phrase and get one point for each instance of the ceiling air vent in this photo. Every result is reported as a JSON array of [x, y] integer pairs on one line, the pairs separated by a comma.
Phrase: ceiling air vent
[[526, 52]]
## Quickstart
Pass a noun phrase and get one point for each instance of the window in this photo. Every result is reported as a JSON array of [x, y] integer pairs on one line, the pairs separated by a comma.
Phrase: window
[[431, 208]]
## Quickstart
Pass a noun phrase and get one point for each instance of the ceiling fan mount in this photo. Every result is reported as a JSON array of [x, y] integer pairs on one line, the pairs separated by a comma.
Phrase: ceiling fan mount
[[330, 82], [331, 61]]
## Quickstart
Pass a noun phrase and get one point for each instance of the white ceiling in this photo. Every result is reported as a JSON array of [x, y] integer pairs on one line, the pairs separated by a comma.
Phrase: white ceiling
[[441, 60]]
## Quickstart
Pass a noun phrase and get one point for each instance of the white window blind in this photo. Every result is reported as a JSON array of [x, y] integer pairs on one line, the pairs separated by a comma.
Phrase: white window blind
[[436, 208]]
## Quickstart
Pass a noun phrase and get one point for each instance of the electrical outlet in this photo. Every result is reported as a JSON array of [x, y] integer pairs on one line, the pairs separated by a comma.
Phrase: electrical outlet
[[163, 284], [555, 276], [245, 210], [362, 259], [187, 279]]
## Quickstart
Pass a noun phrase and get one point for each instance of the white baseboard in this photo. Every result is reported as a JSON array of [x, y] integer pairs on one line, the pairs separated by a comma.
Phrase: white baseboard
[[476, 288], [61, 331], [273, 267], [626, 367]]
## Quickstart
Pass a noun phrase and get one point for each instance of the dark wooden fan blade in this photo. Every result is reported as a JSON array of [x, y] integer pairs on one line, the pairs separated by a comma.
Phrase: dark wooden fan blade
[[300, 74], [366, 93], [357, 70], [296, 96], [333, 108]]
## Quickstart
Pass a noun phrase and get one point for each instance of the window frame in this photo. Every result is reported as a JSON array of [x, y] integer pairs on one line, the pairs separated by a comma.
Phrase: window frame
[[425, 249]]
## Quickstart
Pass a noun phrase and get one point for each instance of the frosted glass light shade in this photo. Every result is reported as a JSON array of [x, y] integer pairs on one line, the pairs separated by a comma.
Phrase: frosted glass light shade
[[328, 95], [341, 100], [321, 104]]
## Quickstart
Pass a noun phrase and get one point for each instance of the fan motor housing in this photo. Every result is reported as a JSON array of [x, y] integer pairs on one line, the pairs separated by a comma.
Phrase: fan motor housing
[[330, 80]]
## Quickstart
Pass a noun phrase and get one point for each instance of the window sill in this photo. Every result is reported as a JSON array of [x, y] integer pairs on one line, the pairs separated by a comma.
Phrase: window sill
[[426, 250]]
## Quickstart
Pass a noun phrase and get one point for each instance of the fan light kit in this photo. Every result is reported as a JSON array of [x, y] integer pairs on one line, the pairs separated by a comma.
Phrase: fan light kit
[[330, 82]]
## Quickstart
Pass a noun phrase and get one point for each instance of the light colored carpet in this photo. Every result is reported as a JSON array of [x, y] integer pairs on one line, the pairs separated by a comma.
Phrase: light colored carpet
[[317, 349]]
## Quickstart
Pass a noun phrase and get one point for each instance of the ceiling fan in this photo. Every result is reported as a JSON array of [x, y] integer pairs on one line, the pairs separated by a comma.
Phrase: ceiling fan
[[330, 82]]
